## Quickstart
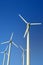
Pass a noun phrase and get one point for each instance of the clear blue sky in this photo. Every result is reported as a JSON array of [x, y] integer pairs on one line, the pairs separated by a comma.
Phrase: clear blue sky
[[32, 11]]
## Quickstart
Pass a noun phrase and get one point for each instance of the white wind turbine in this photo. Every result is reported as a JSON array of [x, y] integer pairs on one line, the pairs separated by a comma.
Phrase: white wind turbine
[[5, 53], [23, 50], [28, 40], [10, 43]]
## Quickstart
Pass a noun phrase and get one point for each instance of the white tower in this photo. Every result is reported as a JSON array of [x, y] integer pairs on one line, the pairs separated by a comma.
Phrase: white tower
[[10, 44], [23, 50], [5, 53], [28, 41]]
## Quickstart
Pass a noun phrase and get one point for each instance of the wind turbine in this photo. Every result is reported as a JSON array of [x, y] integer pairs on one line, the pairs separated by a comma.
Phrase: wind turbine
[[10, 44], [27, 33], [23, 50], [5, 53]]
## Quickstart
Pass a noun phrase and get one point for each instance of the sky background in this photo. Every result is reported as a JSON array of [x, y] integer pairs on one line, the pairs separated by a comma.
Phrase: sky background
[[32, 11]]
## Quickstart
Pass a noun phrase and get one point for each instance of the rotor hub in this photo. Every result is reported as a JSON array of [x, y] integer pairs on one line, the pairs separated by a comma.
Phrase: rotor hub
[[11, 41]]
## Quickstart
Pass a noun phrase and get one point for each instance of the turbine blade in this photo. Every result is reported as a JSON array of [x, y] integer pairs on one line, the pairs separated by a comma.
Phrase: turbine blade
[[6, 49], [22, 18], [11, 36], [35, 23], [26, 32], [15, 44], [5, 42], [21, 47], [1, 52]]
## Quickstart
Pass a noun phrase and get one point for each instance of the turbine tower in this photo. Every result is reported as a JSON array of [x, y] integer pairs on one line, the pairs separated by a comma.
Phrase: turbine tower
[[28, 40], [23, 50], [10, 44], [5, 53]]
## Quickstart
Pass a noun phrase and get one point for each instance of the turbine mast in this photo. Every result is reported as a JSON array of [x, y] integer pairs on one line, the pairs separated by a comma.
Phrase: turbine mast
[[3, 60], [8, 61], [28, 51], [28, 40], [23, 57]]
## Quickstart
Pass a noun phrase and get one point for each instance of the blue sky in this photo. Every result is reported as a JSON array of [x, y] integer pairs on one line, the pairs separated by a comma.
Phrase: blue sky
[[32, 11]]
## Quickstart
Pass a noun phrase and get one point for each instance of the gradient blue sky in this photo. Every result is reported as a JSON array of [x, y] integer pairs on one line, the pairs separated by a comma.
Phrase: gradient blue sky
[[32, 11]]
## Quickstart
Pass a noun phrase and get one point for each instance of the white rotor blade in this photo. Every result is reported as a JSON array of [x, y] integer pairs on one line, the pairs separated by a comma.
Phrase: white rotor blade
[[22, 18], [21, 47], [26, 32], [5, 42], [6, 49], [15, 44], [1, 52], [11, 36], [35, 23]]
